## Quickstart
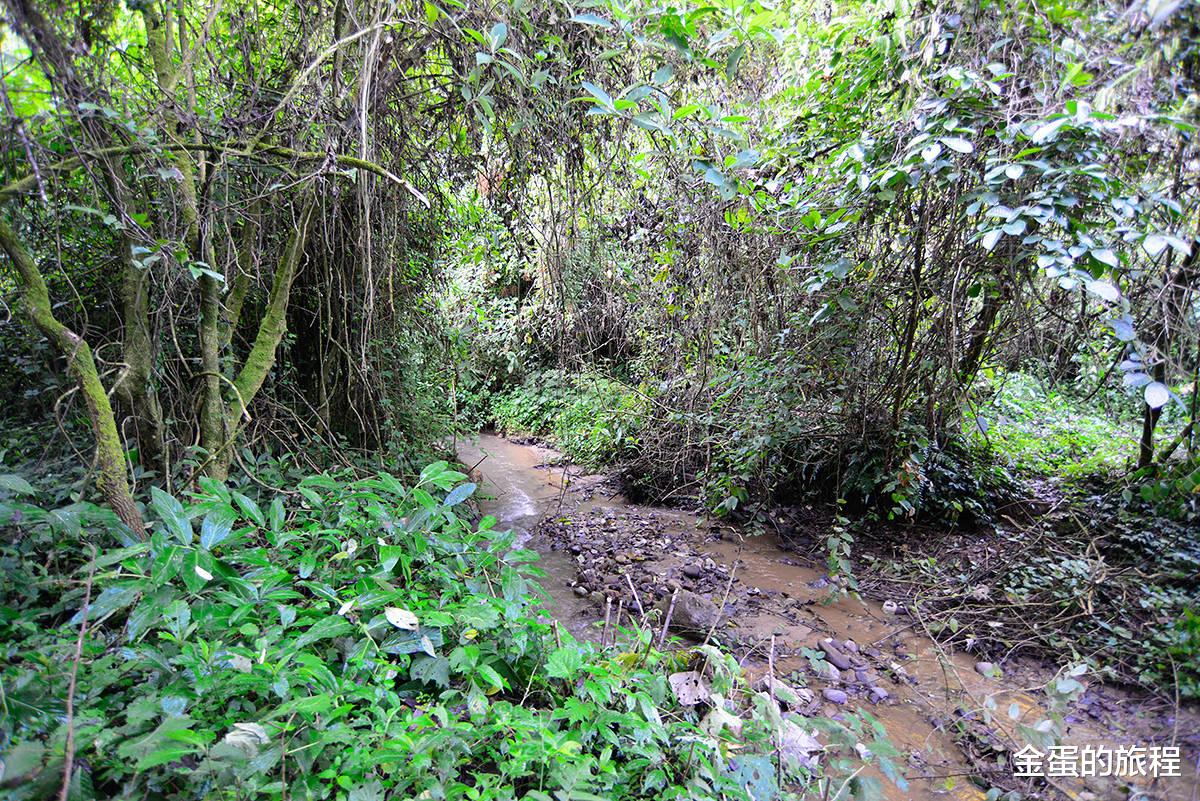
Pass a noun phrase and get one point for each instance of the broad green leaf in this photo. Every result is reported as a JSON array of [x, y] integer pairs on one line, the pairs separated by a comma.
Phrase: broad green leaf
[[197, 569], [389, 555], [166, 565], [108, 601], [170, 511], [599, 94], [215, 529], [492, 677], [459, 494], [277, 515], [1047, 131], [17, 485], [1105, 290], [434, 670], [592, 19], [249, 508], [324, 629], [564, 663], [1105, 256], [413, 642], [957, 144], [498, 35]]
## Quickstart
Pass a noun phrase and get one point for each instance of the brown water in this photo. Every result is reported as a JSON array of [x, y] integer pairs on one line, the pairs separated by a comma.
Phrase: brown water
[[522, 485]]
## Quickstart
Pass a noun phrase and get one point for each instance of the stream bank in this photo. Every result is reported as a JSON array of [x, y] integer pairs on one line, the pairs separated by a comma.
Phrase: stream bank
[[957, 720]]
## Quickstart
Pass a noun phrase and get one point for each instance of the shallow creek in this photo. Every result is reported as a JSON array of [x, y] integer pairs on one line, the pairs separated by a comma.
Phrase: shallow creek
[[524, 486]]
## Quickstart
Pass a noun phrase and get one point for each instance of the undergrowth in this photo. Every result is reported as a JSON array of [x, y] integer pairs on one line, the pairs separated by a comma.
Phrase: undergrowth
[[593, 419], [1038, 429], [1114, 588], [349, 640]]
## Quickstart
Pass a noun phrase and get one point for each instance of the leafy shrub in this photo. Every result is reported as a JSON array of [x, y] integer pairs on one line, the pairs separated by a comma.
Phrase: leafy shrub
[[361, 641], [592, 418], [1043, 430], [1171, 490]]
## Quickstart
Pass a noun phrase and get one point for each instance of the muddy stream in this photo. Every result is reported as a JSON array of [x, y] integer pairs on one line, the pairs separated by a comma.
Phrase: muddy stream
[[594, 545]]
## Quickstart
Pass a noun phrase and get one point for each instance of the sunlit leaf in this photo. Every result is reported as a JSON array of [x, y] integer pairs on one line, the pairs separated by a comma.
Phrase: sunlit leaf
[[1156, 394], [401, 618]]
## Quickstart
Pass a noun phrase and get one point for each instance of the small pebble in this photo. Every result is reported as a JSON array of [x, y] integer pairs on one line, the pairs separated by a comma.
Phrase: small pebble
[[581, 591], [985, 669], [693, 571], [878, 694], [850, 646]]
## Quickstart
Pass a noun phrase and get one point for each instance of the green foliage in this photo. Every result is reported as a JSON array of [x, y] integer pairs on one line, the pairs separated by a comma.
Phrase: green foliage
[[1048, 431], [595, 420], [1141, 629], [351, 640], [815, 234], [837, 556], [1171, 490]]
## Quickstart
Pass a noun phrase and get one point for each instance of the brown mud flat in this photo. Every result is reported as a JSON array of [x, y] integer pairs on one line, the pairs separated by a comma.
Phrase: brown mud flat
[[953, 724]]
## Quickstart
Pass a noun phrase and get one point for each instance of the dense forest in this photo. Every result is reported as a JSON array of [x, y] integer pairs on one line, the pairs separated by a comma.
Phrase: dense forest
[[633, 399]]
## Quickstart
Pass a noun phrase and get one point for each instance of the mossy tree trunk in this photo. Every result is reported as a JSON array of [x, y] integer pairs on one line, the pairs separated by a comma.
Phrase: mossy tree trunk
[[134, 388], [111, 475], [271, 329], [159, 42]]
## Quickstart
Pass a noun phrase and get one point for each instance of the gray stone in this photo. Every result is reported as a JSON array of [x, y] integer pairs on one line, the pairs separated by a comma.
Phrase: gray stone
[[694, 614], [581, 591], [878, 694], [834, 655], [834, 696], [693, 571], [985, 669]]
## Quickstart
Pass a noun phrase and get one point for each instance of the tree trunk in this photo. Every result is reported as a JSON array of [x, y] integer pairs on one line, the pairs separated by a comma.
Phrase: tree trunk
[[111, 478], [271, 329], [212, 415], [134, 387]]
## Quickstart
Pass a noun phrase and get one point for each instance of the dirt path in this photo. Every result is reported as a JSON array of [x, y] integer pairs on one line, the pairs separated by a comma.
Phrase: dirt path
[[950, 717]]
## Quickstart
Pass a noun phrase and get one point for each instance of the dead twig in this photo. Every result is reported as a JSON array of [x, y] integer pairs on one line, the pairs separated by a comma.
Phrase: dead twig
[[69, 750], [662, 637]]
